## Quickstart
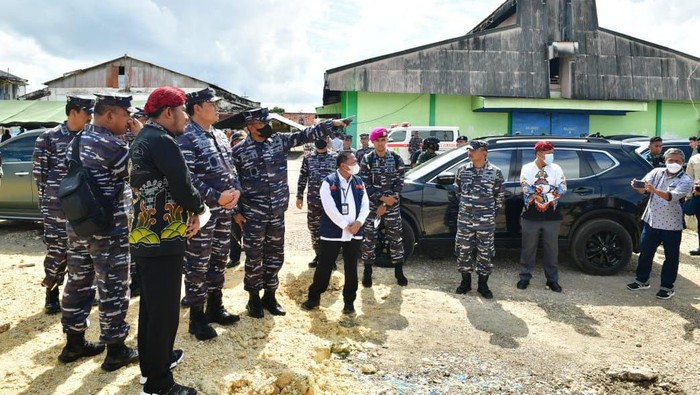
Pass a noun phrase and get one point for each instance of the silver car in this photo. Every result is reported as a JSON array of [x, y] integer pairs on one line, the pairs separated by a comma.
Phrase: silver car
[[18, 195]]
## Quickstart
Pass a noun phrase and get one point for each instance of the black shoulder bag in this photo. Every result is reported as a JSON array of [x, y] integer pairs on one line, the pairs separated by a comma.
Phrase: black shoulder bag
[[82, 202]]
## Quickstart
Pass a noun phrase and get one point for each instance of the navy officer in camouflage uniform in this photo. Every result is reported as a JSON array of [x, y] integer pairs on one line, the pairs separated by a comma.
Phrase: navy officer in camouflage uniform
[[261, 161], [104, 255], [49, 170], [314, 169], [480, 190], [208, 155], [364, 148], [382, 172]]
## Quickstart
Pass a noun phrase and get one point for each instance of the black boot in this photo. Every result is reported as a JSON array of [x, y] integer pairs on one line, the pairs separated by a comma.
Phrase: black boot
[[254, 306], [199, 326], [483, 288], [52, 305], [77, 347], [269, 302], [314, 262], [367, 277], [119, 355], [398, 273], [216, 312], [466, 284]]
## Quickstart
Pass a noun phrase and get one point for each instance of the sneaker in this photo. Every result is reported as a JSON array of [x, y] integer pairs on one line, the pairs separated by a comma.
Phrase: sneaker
[[636, 286], [665, 294], [177, 357], [311, 304]]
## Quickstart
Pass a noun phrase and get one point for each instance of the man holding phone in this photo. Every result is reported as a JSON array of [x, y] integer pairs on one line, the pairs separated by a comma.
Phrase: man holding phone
[[663, 221]]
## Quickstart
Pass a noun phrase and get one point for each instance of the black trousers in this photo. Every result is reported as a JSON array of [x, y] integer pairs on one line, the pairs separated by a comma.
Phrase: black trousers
[[328, 252], [235, 252], [159, 315]]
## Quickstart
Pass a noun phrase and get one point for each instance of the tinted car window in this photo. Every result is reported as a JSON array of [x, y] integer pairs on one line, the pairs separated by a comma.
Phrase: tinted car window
[[19, 150], [568, 160], [501, 159], [442, 135], [397, 135], [601, 162]]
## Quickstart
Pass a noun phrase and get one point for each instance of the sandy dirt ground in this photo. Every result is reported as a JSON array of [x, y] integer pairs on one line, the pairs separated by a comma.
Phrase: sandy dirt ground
[[420, 339]]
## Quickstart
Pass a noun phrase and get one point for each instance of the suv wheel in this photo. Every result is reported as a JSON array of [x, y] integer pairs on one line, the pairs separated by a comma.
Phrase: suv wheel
[[601, 247]]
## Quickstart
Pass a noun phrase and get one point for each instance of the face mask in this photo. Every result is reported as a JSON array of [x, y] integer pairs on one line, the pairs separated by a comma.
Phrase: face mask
[[673, 167], [354, 169], [266, 131], [549, 158]]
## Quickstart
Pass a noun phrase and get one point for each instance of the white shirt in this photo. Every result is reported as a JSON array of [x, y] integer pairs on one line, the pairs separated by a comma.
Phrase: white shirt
[[343, 221], [337, 145]]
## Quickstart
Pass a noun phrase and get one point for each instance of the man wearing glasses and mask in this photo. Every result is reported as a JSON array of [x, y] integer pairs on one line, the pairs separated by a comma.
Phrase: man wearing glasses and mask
[[261, 162], [208, 155]]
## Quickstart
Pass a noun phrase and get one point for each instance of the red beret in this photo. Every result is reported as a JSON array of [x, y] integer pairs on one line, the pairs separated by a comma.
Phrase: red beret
[[164, 96], [377, 133], [543, 146]]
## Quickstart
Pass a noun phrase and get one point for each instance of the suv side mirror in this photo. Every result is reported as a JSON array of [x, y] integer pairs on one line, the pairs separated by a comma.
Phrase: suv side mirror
[[445, 179]]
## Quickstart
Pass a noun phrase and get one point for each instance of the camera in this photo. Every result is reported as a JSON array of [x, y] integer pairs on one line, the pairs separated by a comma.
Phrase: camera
[[697, 188], [638, 183]]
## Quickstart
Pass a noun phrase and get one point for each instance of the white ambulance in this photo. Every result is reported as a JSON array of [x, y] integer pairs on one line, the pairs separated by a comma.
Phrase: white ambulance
[[399, 136]]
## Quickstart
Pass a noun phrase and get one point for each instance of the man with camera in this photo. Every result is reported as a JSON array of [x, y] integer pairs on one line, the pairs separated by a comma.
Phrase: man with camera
[[663, 221]]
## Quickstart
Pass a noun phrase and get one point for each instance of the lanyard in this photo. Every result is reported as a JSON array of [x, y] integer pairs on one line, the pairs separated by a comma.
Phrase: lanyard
[[345, 192]]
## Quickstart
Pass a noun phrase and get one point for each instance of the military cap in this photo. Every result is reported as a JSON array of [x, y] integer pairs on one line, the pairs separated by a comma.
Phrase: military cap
[[206, 94], [364, 135], [140, 113], [261, 114], [81, 103], [238, 136], [347, 137], [462, 138], [115, 100], [476, 144]]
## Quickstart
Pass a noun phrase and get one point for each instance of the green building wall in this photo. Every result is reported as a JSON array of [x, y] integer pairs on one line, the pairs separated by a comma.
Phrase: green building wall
[[666, 119]]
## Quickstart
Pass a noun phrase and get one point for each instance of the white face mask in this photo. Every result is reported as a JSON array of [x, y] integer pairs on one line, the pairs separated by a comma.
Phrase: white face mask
[[549, 158], [354, 169], [673, 168]]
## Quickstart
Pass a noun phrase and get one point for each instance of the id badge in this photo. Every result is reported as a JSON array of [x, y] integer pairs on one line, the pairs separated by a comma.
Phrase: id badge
[[344, 209]]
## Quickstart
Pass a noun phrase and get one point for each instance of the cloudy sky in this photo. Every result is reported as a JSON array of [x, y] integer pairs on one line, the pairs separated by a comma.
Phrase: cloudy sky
[[273, 51]]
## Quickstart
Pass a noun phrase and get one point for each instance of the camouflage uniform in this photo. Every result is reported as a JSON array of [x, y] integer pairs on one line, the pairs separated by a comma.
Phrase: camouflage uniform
[[383, 177], [362, 152], [480, 192], [314, 168], [262, 168], [208, 156], [105, 255], [49, 170], [414, 145]]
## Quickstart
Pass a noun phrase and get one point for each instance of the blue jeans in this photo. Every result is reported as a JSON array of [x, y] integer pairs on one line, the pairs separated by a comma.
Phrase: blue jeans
[[651, 239]]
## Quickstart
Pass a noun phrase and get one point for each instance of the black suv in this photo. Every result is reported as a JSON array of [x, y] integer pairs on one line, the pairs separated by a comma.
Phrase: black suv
[[602, 212]]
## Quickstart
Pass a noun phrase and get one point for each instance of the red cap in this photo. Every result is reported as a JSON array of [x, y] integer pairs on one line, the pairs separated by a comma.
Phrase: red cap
[[544, 146], [164, 96], [377, 133]]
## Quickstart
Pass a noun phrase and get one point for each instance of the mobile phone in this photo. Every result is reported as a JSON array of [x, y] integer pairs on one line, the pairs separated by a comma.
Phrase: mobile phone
[[638, 183]]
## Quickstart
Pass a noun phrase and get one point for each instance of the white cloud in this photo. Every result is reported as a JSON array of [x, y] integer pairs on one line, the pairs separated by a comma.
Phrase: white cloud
[[274, 51]]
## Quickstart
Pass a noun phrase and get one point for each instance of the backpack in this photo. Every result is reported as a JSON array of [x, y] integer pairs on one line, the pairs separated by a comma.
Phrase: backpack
[[82, 202]]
